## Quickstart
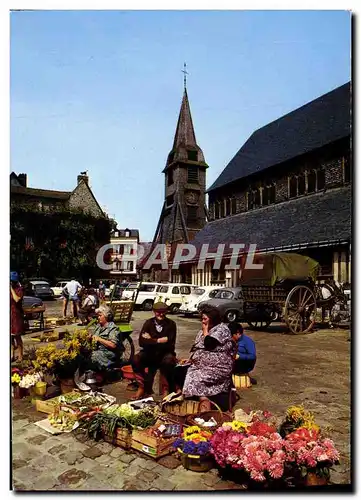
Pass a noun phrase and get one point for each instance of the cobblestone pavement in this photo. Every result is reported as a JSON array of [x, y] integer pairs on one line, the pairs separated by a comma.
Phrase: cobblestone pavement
[[311, 369]]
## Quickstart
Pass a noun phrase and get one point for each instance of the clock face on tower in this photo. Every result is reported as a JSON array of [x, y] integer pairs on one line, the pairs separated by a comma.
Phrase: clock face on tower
[[192, 197]]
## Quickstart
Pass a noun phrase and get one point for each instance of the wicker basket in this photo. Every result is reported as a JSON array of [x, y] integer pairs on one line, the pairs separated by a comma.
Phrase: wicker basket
[[219, 416]]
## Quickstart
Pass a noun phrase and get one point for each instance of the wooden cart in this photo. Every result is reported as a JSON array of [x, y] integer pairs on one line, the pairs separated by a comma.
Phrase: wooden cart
[[285, 288]]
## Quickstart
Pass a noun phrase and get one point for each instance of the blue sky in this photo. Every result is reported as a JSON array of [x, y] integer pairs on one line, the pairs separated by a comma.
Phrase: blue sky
[[101, 91]]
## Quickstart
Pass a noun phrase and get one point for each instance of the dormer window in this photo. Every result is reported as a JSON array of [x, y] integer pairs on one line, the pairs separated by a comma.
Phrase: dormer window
[[116, 234], [192, 155], [127, 233]]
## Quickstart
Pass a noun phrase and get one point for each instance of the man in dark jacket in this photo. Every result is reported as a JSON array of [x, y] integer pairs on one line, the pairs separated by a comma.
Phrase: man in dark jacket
[[246, 349], [157, 340]]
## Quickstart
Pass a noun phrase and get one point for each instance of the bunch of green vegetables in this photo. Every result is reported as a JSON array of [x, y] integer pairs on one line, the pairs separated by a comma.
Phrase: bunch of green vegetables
[[135, 418]]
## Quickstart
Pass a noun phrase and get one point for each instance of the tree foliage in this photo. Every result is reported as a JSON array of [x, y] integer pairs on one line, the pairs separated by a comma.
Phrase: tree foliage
[[57, 244]]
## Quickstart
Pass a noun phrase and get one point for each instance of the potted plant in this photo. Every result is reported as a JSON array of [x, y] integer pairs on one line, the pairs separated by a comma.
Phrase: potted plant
[[17, 391], [194, 449], [311, 456]]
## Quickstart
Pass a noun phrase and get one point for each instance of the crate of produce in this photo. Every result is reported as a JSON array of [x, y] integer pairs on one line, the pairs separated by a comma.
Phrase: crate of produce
[[122, 438], [48, 405], [151, 444]]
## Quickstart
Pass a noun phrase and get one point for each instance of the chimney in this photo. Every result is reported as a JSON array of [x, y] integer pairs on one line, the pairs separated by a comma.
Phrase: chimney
[[23, 179], [83, 177]]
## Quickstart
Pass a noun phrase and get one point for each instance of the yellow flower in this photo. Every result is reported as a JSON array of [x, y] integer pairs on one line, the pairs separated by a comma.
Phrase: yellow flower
[[310, 426], [191, 430], [15, 379]]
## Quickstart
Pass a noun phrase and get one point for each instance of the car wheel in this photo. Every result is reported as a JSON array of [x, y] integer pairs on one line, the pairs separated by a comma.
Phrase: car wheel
[[231, 316], [148, 305], [174, 308]]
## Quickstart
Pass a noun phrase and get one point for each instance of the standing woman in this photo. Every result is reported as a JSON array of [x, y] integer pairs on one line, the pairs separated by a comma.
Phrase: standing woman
[[16, 314]]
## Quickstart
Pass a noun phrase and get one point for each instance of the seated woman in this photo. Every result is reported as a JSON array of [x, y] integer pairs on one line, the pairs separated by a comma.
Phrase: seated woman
[[90, 302], [210, 373], [109, 344]]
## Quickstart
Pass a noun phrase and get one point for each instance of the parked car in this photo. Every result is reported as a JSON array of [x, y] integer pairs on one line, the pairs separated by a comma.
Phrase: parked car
[[58, 288], [146, 294], [199, 294], [38, 288], [228, 301], [31, 303], [173, 294]]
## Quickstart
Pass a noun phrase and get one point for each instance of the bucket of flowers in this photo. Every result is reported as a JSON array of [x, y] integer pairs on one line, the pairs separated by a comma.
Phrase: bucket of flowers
[[310, 456], [296, 417], [24, 381], [194, 449]]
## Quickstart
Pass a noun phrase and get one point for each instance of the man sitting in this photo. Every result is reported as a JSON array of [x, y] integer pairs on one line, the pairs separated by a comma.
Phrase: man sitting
[[246, 350], [157, 339]]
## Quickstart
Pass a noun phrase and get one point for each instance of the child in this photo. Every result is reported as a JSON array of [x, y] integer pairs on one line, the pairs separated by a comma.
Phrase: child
[[246, 349]]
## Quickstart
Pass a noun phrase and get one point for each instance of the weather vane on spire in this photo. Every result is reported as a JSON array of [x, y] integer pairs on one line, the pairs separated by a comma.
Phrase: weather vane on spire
[[185, 75]]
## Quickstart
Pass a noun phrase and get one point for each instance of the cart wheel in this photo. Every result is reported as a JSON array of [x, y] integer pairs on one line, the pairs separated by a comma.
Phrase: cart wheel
[[300, 309]]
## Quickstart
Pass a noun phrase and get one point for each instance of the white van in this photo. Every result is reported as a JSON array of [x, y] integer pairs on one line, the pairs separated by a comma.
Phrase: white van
[[173, 294], [190, 304], [146, 294]]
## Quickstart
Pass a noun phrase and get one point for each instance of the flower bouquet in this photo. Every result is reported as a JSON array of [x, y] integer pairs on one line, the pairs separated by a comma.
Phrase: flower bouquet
[[194, 449], [296, 417], [310, 456], [251, 452]]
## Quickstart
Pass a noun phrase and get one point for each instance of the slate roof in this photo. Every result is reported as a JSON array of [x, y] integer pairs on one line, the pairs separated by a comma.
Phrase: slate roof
[[42, 193], [316, 218], [133, 233], [320, 122]]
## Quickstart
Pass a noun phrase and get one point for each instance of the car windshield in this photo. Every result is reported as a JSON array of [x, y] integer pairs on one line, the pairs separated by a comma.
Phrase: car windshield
[[198, 291], [224, 294]]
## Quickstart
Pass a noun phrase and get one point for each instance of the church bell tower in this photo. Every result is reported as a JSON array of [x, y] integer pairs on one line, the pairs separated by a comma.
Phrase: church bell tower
[[184, 211]]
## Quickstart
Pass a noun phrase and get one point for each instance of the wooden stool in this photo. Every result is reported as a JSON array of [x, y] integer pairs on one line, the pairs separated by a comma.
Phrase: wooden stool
[[242, 381]]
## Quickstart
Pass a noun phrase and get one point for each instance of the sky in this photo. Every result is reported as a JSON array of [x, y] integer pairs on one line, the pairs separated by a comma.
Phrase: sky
[[101, 91]]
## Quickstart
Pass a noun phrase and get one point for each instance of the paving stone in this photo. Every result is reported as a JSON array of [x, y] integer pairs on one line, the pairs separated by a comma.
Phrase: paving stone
[[72, 457], [24, 451], [136, 485], [116, 482], [211, 479], [133, 470], [162, 471], [44, 482], [92, 452], [37, 440], [18, 462], [169, 461], [148, 475], [144, 463], [72, 476], [163, 484], [117, 452], [105, 447], [192, 486], [18, 486], [55, 450], [226, 485], [87, 464], [127, 458], [24, 473], [18, 424], [105, 460], [93, 483]]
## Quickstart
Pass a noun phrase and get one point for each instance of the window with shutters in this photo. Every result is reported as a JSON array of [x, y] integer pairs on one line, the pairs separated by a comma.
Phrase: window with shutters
[[192, 175]]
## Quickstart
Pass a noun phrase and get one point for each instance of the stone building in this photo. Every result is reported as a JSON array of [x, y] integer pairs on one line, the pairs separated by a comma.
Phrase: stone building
[[288, 188], [45, 200]]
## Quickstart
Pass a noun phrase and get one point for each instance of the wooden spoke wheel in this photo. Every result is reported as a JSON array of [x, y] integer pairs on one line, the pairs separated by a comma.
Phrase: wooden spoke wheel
[[300, 309]]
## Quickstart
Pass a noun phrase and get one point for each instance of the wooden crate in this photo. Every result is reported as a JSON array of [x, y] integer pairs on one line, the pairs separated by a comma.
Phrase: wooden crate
[[48, 405], [152, 446], [123, 438]]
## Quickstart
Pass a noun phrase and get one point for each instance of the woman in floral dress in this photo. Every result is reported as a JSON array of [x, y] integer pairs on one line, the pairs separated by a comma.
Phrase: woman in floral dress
[[210, 374]]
